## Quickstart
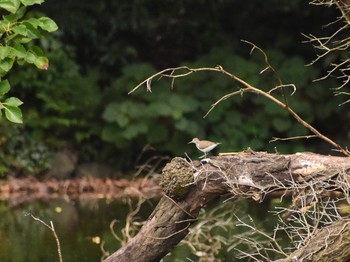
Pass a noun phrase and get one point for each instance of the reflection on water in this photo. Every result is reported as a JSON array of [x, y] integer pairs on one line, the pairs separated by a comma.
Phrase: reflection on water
[[81, 226]]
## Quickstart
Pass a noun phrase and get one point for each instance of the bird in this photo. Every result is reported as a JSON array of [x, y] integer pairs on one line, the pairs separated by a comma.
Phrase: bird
[[204, 145]]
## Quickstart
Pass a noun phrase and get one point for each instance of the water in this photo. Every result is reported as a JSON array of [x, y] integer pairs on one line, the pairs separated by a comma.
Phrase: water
[[82, 226]]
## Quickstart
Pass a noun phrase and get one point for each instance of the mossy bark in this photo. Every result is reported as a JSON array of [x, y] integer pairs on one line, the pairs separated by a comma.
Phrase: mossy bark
[[189, 186]]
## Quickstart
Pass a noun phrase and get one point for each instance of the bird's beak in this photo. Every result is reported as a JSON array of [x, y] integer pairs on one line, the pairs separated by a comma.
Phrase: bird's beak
[[190, 142]]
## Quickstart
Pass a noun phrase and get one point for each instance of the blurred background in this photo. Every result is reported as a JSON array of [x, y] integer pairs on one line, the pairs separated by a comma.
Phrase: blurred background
[[80, 121], [80, 106]]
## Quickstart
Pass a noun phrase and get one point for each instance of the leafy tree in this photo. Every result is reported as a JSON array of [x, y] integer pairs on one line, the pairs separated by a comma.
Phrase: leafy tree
[[16, 36], [19, 31]]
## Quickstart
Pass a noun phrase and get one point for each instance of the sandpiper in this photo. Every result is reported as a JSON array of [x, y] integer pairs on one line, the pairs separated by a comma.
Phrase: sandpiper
[[204, 145]]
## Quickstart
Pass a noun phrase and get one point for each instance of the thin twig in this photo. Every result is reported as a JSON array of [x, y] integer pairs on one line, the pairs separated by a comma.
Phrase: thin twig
[[246, 89], [52, 229], [274, 139]]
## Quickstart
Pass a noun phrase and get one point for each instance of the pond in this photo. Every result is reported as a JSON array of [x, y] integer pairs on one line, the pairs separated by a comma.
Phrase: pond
[[82, 227]]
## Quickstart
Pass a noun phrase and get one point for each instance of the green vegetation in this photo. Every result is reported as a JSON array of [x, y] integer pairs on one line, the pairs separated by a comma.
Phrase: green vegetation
[[18, 33], [16, 36], [81, 102]]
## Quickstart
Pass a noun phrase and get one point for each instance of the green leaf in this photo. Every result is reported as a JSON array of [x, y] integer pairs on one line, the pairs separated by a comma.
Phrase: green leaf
[[30, 57], [24, 40], [13, 114], [20, 30], [33, 21], [41, 62], [13, 101], [6, 64], [47, 24], [32, 2], [19, 51], [3, 27], [32, 32], [5, 51], [10, 6], [37, 50], [4, 87], [16, 16], [36, 55]]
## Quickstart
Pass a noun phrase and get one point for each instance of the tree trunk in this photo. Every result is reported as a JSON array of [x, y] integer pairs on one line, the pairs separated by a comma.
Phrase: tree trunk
[[189, 186]]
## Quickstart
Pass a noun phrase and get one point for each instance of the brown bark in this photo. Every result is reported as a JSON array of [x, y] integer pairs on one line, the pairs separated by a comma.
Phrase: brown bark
[[247, 174], [169, 222]]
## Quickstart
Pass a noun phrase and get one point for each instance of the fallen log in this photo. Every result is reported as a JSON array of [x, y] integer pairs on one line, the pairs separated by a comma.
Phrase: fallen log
[[190, 185]]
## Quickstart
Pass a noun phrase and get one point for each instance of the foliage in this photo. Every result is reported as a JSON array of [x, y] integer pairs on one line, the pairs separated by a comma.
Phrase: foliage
[[16, 35], [21, 152], [82, 101], [61, 106], [163, 119], [60, 101]]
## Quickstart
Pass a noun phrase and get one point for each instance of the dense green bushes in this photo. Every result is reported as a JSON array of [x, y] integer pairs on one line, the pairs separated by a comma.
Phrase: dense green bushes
[[18, 31], [81, 102], [169, 118]]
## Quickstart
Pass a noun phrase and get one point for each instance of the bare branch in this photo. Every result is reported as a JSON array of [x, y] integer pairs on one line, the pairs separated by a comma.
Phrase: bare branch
[[310, 179], [246, 89], [338, 41], [52, 229], [274, 139]]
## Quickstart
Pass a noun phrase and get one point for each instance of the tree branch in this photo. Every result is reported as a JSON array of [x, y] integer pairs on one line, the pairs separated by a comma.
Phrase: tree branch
[[189, 186], [177, 72]]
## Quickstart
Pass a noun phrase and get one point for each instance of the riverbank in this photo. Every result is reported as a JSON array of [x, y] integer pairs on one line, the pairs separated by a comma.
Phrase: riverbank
[[20, 190]]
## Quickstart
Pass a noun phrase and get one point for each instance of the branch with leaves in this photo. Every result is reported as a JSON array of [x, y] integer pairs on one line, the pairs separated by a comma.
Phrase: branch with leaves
[[17, 35]]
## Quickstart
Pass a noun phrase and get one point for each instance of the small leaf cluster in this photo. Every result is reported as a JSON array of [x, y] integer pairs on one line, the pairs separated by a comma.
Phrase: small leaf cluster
[[11, 104], [16, 36]]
